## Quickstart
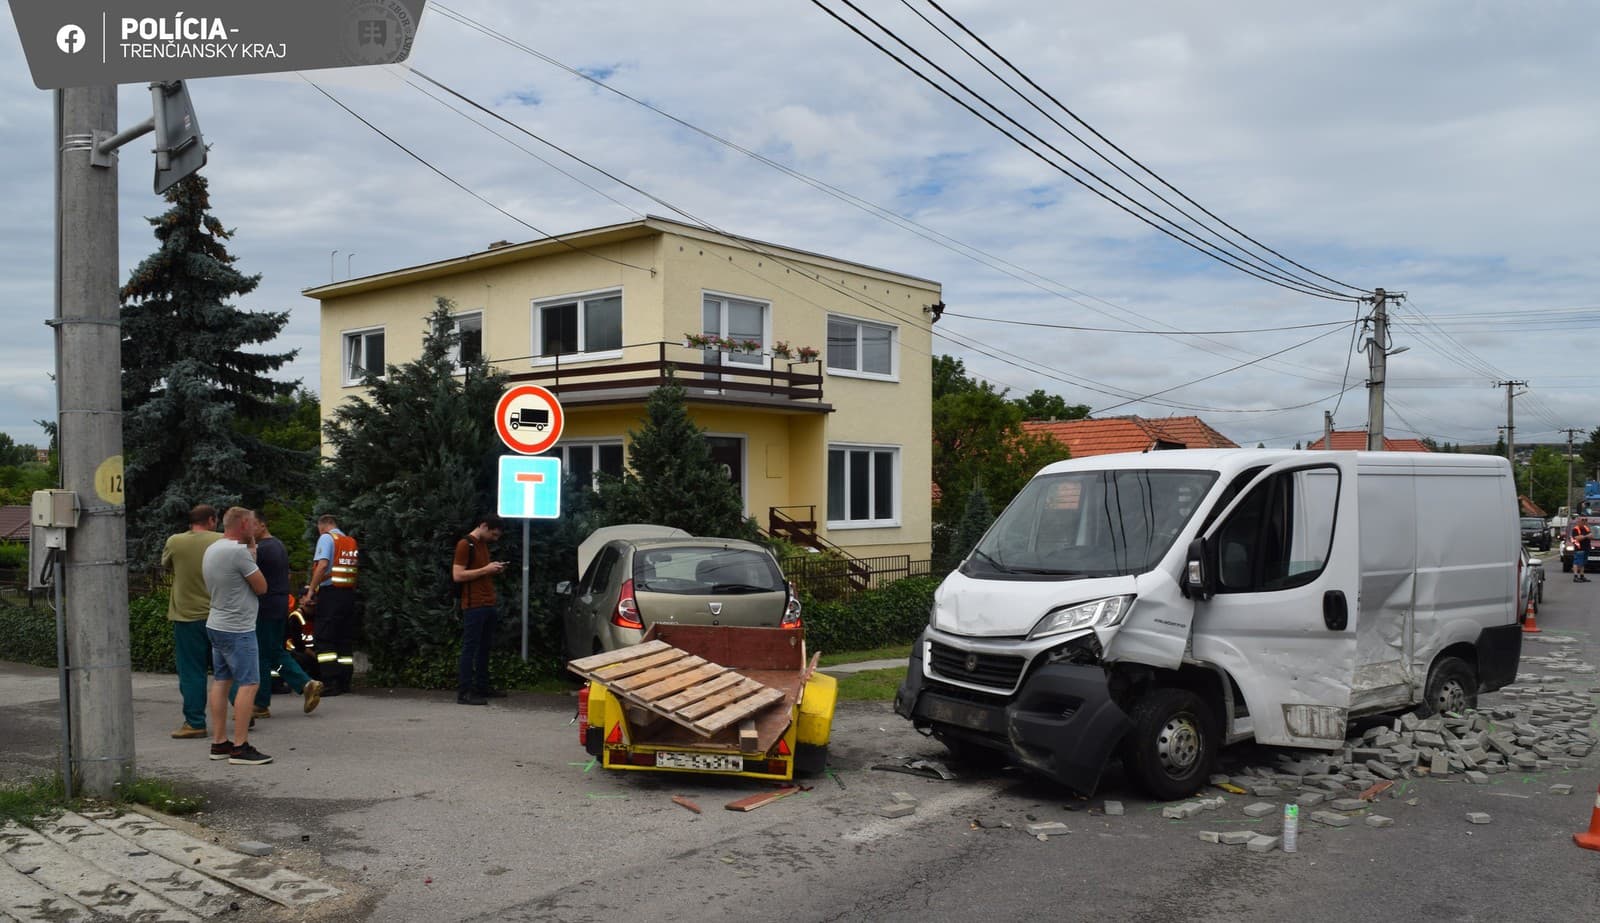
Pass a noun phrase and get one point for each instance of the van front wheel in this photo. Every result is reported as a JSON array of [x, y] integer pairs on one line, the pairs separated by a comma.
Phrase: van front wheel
[[1173, 743], [1452, 687]]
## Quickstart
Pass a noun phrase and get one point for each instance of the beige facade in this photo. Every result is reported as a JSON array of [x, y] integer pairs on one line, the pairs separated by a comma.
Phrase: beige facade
[[596, 315]]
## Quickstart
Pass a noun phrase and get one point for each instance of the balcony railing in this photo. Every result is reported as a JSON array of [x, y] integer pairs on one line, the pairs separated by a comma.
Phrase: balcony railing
[[644, 367]]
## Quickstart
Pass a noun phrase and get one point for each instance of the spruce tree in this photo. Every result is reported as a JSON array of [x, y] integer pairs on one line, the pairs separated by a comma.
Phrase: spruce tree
[[671, 479], [188, 376], [975, 520]]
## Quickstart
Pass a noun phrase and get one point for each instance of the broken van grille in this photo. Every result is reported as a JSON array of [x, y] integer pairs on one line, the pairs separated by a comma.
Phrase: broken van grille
[[996, 670]]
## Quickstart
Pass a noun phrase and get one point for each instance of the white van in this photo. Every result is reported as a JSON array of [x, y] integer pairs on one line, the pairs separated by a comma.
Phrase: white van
[[1167, 604]]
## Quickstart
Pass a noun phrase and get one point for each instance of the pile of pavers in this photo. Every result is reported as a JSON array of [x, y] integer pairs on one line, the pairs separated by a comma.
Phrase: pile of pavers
[[1545, 723]]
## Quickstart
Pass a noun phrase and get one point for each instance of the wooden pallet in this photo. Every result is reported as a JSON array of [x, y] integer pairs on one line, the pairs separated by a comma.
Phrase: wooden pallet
[[685, 689]]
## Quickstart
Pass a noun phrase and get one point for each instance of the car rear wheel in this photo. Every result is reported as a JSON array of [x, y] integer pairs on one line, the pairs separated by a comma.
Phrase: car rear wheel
[[1173, 743]]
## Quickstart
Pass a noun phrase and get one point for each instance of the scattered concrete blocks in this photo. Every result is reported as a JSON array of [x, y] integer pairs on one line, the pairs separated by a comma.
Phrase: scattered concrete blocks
[[1330, 819], [896, 809], [1477, 817], [1114, 809], [1210, 836], [1378, 820], [1260, 809], [1238, 837], [1560, 789], [902, 798], [1348, 804], [1049, 828], [1477, 778], [1262, 844], [253, 848]]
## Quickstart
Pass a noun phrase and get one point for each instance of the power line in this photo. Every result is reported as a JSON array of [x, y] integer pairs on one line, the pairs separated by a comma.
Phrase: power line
[[1137, 331]]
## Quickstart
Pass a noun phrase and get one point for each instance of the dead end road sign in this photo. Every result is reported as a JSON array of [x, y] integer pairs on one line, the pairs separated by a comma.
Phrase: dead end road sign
[[529, 419], [529, 487]]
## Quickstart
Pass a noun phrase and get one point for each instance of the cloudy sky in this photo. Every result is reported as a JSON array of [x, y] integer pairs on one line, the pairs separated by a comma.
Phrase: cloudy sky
[[1445, 149]]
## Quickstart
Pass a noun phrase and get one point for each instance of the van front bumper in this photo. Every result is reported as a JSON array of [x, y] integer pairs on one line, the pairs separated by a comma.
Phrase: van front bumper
[[1061, 723]]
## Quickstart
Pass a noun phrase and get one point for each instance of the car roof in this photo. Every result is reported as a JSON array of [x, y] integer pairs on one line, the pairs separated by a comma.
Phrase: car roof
[[631, 531]]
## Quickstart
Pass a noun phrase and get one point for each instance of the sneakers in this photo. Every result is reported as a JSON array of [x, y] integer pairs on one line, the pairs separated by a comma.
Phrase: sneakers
[[261, 713], [247, 756], [222, 751], [313, 695], [185, 732], [471, 699]]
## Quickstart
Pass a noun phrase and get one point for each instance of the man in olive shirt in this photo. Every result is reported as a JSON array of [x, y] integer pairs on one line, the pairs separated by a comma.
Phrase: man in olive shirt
[[188, 605]]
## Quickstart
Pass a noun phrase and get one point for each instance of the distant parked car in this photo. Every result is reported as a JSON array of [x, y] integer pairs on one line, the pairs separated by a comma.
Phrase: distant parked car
[[636, 575], [1535, 533], [1532, 583]]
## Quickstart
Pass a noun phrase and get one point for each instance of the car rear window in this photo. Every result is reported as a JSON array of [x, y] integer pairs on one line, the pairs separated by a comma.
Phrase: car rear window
[[708, 570]]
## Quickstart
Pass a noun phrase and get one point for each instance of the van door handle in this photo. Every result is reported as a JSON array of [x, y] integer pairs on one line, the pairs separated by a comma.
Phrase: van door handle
[[1335, 614]]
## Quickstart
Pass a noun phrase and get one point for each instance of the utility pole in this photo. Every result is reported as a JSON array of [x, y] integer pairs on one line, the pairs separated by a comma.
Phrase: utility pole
[[89, 440], [1378, 353], [1570, 433], [1327, 430], [1511, 421]]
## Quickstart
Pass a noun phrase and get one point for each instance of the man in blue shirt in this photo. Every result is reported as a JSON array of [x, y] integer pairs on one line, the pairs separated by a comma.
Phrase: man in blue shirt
[[333, 588], [271, 623]]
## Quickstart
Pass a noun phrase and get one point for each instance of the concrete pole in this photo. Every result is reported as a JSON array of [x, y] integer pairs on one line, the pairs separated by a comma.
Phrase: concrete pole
[[1570, 434], [1327, 430], [89, 376], [1377, 361]]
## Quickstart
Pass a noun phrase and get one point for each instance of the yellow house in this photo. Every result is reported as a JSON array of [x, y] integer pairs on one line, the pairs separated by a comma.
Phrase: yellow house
[[837, 447]]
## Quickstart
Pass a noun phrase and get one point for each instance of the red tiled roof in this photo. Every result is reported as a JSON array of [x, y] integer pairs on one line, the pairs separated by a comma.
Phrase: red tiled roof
[[1085, 438], [1529, 508], [1355, 440], [15, 523]]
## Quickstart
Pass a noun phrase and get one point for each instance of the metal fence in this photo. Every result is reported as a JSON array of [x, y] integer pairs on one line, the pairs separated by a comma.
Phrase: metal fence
[[828, 576]]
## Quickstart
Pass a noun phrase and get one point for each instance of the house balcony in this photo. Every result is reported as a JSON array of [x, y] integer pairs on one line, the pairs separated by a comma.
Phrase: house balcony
[[629, 375]]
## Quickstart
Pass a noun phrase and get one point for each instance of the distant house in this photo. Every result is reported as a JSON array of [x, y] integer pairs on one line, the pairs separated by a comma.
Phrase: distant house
[[1085, 438], [1355, 440], [15, 523], [1529, 508]]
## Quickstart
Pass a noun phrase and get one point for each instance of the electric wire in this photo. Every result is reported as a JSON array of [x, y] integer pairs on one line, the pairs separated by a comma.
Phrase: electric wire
[[1137, 331]]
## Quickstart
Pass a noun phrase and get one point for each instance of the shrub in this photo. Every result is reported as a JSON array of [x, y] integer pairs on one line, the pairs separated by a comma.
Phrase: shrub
[[893, 614], [27, 635], [150, 634]]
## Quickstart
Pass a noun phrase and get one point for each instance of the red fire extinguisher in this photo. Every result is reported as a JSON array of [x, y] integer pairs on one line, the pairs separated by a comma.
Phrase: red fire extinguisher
[[583, 715]]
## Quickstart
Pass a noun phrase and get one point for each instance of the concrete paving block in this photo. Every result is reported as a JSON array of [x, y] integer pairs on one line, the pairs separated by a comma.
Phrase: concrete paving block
[[1409, 721], [254, 848], [1264, 790], [1048, 828], [1330, 819], [896, 809], [1477, 777], [1440, 765], [1379, 768], [1260, 809], [1378, 820], [1114, 809], [1310, 799], [1560, 789], [902, 798], [1348, 804], [1220, 779], [1477, 817], [1238, 837], [1210, 836], [1262, 844]]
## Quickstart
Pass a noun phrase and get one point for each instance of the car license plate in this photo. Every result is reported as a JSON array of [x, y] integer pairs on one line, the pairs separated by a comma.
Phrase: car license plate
[[708, 762]]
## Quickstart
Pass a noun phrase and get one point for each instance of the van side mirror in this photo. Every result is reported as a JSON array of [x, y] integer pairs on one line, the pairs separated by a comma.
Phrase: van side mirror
[[564, 588], [1197, 580]]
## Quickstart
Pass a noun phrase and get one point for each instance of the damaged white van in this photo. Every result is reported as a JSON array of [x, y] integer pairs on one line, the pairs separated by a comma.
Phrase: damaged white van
[[1163, 605]]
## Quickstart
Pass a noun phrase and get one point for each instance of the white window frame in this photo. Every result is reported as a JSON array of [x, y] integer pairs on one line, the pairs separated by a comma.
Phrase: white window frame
[[593, 446], [455, 352], [894, 350], [749, 359], [899, 481], [582, 298], [345, 336]]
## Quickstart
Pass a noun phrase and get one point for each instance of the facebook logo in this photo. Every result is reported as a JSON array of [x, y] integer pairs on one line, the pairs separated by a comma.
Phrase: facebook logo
[[70, 39], [530, 487]]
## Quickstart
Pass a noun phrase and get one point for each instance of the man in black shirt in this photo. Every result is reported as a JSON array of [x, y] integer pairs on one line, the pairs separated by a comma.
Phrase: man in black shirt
[[271, 622]]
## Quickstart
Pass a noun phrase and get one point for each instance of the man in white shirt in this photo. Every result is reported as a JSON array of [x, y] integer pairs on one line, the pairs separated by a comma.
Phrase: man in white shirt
[[234, 582]]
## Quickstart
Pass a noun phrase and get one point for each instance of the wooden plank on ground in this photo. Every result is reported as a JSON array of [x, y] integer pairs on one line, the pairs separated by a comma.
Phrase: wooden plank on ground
[[596, 661], [675, 684], [716, 721], [705, 689], [628, 668], [721, 700], [656, 675], [765, 798]]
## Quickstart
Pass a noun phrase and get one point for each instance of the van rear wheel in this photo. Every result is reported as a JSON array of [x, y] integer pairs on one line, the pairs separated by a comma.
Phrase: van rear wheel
[[1452, 687], [1173, 743]]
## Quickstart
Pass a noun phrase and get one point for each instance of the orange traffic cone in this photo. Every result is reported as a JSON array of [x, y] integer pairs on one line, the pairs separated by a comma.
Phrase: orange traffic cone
[[1591, 839], [1530, 625]]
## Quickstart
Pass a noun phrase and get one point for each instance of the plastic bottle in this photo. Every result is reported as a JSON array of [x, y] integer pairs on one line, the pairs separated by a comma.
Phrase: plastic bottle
[[1291, 827]]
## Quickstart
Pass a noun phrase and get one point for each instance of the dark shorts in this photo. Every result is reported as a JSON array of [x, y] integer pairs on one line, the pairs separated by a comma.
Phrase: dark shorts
[[235, 657], [1580, 558]]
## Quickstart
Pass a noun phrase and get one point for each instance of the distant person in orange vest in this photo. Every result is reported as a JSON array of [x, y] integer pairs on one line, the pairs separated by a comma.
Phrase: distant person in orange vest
[[333, 589], [1580, 550]]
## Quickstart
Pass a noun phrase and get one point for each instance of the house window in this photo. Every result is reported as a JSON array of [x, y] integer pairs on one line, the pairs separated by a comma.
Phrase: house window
[[576, 326], [863, 486], [736, 319], [583, 462], [858, 347], [470, 326], [363, 355]]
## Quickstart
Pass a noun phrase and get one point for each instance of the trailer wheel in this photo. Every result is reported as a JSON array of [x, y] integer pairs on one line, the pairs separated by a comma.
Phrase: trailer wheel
[[810, 759], [1173, 743], [1452, 686]]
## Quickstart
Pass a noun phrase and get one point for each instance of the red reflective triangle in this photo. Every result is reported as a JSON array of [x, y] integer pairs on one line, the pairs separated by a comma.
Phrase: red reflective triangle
[[615, 737], [783, 747]]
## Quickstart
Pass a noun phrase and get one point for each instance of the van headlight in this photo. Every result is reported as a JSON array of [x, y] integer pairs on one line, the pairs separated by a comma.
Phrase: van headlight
[[1099, 613]]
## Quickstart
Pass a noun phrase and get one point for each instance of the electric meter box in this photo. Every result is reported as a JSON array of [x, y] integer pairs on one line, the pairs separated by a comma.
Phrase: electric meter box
[[55, 509]]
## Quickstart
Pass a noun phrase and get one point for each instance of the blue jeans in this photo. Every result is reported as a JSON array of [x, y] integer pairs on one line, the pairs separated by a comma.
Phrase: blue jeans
[[477, 633], [235, 656]]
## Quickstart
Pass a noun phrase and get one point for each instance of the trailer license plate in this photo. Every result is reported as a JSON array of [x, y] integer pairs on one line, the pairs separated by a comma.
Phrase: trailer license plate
[[709, 762]]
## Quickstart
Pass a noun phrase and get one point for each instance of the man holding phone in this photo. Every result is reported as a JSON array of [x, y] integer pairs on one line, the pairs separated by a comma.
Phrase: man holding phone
[[474, 573]]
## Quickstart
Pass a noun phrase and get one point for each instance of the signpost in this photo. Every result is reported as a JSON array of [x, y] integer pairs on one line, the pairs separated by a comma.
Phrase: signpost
[[529, 421]]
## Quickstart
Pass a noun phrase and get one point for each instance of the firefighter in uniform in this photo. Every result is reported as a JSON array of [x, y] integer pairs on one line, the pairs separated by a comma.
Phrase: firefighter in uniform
[[333, 589]]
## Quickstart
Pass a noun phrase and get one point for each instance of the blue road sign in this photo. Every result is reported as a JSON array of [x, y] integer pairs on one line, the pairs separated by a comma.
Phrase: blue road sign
[[530, 487]]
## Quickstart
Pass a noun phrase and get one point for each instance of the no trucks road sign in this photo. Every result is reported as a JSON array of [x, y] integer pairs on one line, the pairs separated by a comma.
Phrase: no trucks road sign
[[529, 419]]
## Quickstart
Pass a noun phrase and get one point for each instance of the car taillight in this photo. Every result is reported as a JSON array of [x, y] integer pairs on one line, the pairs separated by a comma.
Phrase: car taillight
[[791, 609], [627, 611]]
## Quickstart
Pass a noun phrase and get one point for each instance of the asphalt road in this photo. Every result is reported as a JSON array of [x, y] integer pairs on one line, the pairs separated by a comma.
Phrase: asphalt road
[[427, 811]]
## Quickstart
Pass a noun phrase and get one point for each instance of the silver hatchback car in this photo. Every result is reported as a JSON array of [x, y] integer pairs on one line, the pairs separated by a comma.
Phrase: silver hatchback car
[[634, 576]]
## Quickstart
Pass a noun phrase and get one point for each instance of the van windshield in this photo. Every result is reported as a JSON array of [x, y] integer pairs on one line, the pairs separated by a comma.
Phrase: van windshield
[[1090, 523]]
